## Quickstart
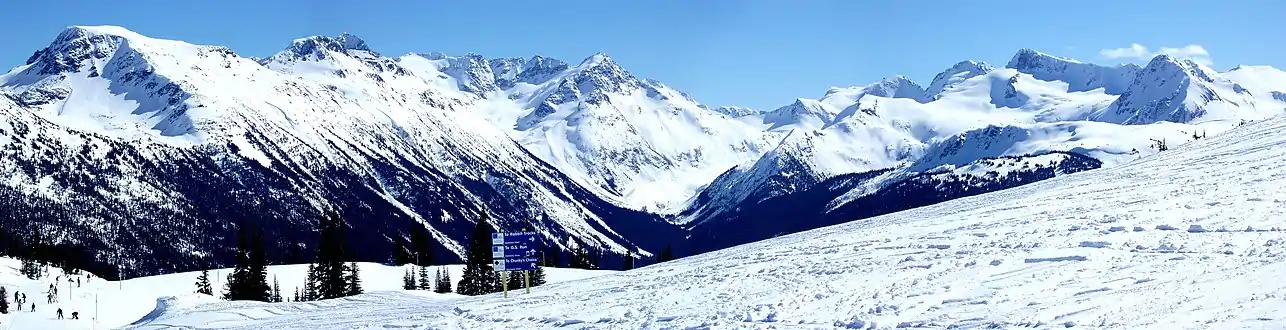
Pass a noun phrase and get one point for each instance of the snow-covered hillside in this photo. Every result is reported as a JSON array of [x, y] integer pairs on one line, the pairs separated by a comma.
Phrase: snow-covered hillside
[[1191, 238], [113, 139], [115, 304], [874, 142], [634, 141]]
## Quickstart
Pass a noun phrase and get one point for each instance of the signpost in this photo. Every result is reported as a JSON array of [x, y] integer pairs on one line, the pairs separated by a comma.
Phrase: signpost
[[514, 252]]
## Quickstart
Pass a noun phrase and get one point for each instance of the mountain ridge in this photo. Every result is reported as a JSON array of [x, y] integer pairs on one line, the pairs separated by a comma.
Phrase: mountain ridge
[[587, 152]]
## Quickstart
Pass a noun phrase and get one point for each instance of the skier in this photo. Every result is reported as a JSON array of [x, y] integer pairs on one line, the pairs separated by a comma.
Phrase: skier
[[75, 315], [77, 282], [60, 313], [33, 307]]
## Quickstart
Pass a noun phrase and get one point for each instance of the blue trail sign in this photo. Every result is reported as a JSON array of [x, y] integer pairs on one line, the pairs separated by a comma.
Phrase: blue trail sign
[[515, 264], [523, 237], [515, 251]]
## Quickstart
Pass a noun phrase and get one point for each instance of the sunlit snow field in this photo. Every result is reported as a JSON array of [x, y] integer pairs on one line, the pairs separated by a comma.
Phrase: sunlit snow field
[[1187, 239]]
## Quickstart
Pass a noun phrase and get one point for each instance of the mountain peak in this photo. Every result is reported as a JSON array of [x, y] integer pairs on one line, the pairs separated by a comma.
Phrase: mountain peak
[[1028, 57], [1078, 76], [351, 42], [76, 45], [735, 111], [957, 73], [599, 58], [315, 46], [110, 30]]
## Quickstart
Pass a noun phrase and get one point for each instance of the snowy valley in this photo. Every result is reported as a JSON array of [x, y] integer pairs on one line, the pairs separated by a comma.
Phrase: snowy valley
[[1189, 238]]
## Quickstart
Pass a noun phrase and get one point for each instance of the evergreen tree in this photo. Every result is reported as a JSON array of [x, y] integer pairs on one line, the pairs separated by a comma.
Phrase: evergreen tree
[[400, 255], [516, 280], [478, 277], [249, 279], [353, 279], [553, 258], [310, 284], [666, 255], [629, 258], [4, 301], [422, 246], [298, 296], [329, 279], [203, 283], [538, 276], [581, 256], [497, 281], [30, 268], [424, 283], [408, 280], [276, 291], [443, 283]]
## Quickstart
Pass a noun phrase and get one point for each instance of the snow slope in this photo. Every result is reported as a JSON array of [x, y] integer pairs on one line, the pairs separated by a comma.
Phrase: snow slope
[[1191, 238], [970, 114], [122, 303]]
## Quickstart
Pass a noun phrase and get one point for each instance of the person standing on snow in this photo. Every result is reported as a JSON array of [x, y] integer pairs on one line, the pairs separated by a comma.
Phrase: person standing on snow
[[60, 313]]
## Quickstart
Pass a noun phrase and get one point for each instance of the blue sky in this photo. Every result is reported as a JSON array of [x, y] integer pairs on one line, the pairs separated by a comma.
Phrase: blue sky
[[756, 53]]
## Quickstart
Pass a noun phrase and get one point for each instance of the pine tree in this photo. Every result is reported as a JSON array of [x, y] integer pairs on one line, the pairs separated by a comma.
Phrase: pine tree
[[249, 279], [4, 301], [298, 297], [553, 258], [538, 276], [310, 284], [30, 268], [399, 256], [442, 281], [446, 281], [329, 279], [203, 283], [666, 255], [595, 257], [276, 291], [353, 279], [478, 277], [497, 281], [424, 283], [516, 280], [408, 280], [629, 258], [422, 246], [581, 256]]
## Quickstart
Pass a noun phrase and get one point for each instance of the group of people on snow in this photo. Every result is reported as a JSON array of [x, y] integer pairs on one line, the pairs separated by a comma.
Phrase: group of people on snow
[[52, 295]]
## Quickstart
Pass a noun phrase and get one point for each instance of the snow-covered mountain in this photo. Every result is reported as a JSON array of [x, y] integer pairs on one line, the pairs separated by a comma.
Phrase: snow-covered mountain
[[868, 150], [112, 140], [636, 142], [1190, 238]]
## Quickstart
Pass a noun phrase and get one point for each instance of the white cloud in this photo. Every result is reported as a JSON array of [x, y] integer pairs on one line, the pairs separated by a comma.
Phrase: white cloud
[[1196, 53]]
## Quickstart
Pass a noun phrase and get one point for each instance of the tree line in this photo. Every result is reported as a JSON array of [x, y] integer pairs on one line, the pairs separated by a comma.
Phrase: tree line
[[330, 277]]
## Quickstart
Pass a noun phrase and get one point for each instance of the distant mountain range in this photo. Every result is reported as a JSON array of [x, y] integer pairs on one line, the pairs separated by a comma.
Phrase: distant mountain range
[[144, 153]]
